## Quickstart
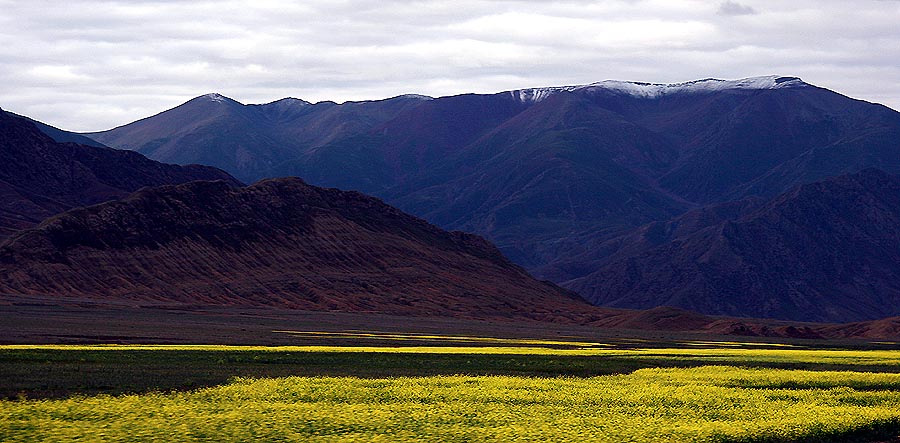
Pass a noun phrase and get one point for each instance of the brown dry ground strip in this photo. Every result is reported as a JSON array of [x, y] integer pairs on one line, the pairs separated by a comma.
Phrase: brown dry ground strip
[[41, 321]]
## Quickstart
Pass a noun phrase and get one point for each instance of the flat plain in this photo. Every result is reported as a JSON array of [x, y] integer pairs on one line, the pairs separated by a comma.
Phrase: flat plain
[[390, 385]]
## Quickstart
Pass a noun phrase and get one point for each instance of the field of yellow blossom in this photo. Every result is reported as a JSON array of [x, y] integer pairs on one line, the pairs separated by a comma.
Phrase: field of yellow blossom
[[702, 404], [523, 391]]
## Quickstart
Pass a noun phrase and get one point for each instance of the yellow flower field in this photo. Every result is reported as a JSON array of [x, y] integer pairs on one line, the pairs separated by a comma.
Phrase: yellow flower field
[[705, 404]]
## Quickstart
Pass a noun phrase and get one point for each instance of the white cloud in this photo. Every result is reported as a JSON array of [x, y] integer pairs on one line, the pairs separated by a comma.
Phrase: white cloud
[[91, 64]]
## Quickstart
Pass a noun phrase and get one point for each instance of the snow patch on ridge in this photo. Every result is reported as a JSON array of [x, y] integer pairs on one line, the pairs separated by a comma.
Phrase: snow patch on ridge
[[534, 95], [287, 102], [653, 90], [656, 90], [415, 97]]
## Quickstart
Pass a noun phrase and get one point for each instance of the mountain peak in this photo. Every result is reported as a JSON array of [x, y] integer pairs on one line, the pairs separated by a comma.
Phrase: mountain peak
[[289, 101], [285, 104], [214, 97]]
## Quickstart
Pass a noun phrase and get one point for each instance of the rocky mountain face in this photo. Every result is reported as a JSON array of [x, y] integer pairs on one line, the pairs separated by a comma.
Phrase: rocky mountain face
[[827, 251], [40, 177], [279, 243], [548, 174]]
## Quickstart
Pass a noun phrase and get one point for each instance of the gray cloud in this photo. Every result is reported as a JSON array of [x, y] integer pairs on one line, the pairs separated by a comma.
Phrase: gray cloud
[[734, 8], [92, 64]]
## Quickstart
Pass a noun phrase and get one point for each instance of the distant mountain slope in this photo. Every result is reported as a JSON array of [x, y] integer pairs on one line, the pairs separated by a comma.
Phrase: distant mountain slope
[[40, 177], [60, 135], [599, 249], [250, 141], [545, 173], [559, 167], [826, 251], [277, 243], [767, 143]]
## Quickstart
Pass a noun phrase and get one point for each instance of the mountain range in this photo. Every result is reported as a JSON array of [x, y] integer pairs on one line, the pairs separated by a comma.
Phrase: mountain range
[[284, 243], [541, 172], [568, 181]]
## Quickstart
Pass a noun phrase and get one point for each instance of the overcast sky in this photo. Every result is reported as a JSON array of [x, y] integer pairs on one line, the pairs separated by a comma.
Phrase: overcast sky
[[92, 65]]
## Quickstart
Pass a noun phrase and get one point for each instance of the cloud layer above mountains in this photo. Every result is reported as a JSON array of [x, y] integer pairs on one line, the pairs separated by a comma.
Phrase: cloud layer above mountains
[[91, 65]]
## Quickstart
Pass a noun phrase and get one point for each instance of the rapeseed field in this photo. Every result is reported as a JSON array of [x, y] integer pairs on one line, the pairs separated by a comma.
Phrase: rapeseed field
[[700, 404]]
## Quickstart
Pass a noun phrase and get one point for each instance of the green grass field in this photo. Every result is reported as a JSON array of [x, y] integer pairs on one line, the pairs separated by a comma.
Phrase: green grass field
[[477, 390]]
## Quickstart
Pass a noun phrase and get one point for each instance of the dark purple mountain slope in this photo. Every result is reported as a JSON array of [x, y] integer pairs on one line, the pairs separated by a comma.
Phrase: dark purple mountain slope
[[560, 166], [775, 140], [599, 252], [826, 251], [60, 135], [40, 177]]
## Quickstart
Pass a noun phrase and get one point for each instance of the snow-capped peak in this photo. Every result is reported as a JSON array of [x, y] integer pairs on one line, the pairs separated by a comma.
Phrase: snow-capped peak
[[216, 97], [655, 90]]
